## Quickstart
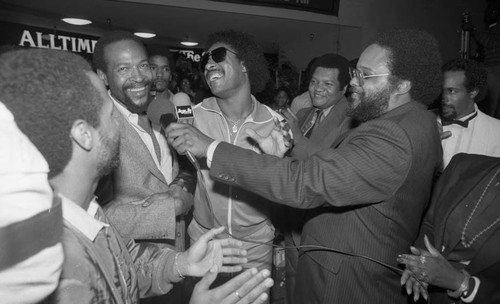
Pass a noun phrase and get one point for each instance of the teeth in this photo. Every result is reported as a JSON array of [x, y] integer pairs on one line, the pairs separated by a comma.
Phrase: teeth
[[137, 89], [214, 76]]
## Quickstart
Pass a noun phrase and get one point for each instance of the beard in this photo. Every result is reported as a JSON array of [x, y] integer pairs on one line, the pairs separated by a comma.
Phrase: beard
[[447, 112], [109, 155], [369, 106], [160, 85]]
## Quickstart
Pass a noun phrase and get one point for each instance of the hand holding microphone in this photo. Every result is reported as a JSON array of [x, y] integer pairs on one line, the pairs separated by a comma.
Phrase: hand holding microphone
[[182, 135]]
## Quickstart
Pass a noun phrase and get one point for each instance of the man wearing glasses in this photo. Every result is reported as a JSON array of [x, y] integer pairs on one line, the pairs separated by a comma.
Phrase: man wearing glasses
[[369, 192], [234, 68]]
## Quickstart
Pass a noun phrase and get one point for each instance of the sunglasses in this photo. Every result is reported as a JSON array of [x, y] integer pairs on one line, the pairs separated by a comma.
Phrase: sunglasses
[[217, 55]]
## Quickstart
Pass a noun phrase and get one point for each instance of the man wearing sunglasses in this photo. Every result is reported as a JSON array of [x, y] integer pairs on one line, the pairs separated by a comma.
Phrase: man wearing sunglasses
[[234, 68], [370, 191]]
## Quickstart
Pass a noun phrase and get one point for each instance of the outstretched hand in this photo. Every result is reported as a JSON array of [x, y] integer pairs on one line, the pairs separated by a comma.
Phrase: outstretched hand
[[248, 287], [207, 252], [276, 143], [184, 137]]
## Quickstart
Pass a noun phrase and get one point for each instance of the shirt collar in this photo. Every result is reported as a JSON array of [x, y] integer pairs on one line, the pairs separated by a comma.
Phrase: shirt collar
[[468, 116], [132, 117], [83, 220]]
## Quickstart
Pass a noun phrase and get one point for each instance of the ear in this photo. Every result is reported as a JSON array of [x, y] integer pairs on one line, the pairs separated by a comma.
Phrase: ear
[[404, 87], [243, 67], [103, 77], [473, 94], [81, 133]]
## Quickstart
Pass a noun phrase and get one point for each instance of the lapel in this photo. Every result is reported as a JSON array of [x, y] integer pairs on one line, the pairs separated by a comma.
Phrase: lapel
[[132, 145], [474, 174]]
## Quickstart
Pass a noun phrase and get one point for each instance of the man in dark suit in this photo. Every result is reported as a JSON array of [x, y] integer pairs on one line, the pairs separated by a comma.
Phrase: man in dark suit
[[458, 249], [315, 128], [370, 191], [146, 195]]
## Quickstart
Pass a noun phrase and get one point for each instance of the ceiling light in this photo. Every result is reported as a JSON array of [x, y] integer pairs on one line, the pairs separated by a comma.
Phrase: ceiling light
[[145, 35], [76, 21], [189, 43]]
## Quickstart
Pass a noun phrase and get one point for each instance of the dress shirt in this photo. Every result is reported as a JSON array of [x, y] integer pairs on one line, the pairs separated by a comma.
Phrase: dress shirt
[[165, 165], [25, 192], [482, 136]]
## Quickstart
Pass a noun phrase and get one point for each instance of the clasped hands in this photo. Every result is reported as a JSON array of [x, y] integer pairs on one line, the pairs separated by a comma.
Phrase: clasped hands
[[185, 137], [424, 267]]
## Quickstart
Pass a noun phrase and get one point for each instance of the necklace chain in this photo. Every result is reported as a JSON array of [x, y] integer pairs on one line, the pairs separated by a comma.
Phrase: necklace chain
[[462, 237], [236, 122]]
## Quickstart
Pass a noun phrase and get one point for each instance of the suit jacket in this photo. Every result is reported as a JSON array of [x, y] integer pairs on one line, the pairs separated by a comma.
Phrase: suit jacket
[[126, 188], [329, 132], [464, 173], [374, 188]]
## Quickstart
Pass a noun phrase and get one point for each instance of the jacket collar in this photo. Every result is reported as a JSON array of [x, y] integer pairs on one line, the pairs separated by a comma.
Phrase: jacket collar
[[83, 220], [260, 113]]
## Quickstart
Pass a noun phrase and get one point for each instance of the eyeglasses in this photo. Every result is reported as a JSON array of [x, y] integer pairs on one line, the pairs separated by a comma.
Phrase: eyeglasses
[[217, 55], [360, 76]]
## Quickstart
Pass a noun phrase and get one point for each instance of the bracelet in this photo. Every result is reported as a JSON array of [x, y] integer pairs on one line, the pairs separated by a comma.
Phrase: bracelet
[[470, 294], [177, 265], [463, 287]]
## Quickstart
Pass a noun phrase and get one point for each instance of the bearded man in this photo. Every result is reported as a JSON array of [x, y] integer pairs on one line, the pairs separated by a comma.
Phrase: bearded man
[[369, 192]]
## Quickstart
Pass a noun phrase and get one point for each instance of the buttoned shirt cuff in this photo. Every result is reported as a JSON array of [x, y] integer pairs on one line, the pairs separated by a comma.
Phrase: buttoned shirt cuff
[[210, 152]]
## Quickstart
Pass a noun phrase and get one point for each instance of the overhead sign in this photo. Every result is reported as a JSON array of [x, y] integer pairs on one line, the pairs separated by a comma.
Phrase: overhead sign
[[329, 7]]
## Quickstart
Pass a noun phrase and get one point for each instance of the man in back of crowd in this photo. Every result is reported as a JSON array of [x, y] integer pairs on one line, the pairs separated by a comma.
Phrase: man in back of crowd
[[316, 128], [369, 192], [466, 129], [74, 126]]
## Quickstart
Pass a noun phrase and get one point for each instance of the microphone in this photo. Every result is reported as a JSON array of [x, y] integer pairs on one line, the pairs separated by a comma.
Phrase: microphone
[[185, 115]]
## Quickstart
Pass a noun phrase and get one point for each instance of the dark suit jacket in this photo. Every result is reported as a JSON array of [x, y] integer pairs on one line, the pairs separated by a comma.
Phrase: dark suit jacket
[[329, 132], [125, 189], [464, 173], [374, 188]]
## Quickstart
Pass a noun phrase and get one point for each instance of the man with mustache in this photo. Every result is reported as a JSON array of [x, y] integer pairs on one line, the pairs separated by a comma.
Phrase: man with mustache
[[316, 128], [466, 128], [234, 68], [369, 192], [146, 195]]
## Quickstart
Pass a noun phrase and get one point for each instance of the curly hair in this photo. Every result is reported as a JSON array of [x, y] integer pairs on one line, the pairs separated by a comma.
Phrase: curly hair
[[247, 50], [475, 75], [98, 59], [414, 56], [46, 91]]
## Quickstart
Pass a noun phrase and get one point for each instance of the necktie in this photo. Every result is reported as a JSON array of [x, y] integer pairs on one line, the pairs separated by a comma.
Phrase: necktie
[[146, 125], [314, 120], [464, 123]]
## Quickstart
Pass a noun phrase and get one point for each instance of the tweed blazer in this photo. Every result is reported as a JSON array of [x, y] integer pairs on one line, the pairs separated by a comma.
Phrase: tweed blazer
[[464, 173], [370, 194], [126, 188]]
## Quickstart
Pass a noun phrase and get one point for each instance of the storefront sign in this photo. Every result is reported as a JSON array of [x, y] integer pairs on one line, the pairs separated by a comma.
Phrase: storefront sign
[[329, 7]]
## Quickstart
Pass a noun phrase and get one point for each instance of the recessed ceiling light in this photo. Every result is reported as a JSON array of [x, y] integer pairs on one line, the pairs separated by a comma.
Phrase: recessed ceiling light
[[189, 43], [145, 35], [76, 21]]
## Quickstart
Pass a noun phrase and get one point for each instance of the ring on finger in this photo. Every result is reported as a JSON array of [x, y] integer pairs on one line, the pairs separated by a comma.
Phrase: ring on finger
[[238, 295], [422, 260]]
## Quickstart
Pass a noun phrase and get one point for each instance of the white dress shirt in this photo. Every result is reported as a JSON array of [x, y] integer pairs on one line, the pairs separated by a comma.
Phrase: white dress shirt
[[482, 136], [165, 165], [25, 192]]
